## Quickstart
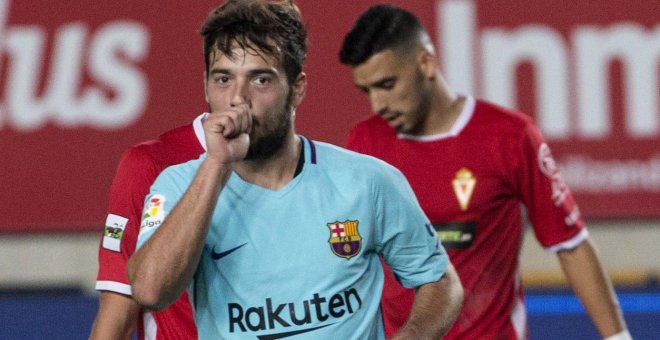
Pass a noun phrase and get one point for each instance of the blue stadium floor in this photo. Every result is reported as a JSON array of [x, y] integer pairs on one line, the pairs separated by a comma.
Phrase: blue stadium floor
[[558, 314], [553, 314]]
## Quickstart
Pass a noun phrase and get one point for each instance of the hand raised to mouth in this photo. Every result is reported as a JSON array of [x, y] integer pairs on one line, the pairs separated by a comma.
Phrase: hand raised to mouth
[[227, 133]]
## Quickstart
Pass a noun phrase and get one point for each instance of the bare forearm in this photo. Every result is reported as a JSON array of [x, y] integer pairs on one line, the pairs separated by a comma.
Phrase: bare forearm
[[161, 269], [435, 308], [116, 318], [593, 287]]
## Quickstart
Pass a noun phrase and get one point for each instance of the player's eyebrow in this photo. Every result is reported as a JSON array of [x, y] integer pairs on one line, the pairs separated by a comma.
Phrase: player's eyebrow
[[380, 83], [265, 70], [253, 72]]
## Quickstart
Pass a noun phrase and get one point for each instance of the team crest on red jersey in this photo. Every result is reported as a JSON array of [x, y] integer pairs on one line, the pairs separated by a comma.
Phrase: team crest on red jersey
[[464, 184], [345, 240]]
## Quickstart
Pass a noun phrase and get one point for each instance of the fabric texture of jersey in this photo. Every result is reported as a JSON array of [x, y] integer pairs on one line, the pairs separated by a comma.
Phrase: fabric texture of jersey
[[138, 168], [304, 260], [471, 182]]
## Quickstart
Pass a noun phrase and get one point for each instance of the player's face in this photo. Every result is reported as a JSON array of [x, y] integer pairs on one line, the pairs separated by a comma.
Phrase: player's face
[[396, 88], [259, 83]]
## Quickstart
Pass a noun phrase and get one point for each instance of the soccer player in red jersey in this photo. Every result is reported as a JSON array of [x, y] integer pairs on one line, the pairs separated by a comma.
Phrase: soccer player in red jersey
[[471, 164], [118, 313]]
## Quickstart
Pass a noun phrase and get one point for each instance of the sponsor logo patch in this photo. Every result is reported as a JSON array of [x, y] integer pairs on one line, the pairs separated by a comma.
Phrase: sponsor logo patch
[[153, 214], [456, 235], [113, 232], [319, 311], [345, 240]]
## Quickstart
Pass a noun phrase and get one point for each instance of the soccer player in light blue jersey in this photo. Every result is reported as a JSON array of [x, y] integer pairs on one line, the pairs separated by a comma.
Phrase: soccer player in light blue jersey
[[275, 235]]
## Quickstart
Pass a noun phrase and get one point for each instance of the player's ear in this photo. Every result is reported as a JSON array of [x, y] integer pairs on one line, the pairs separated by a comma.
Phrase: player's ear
[[299, 88], [427, 63]]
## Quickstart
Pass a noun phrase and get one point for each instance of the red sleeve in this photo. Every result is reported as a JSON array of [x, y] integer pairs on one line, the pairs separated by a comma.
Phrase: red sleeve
[[551, 209], [135, 174]]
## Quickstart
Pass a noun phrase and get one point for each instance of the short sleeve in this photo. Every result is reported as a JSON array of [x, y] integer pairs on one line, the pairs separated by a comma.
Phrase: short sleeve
[[163, 196], [408, 242], [550, 205], [134, 175]]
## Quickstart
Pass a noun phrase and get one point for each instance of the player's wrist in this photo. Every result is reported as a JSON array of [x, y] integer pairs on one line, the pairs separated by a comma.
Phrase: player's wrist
[[623, 335], [218, 170], [218, 162]]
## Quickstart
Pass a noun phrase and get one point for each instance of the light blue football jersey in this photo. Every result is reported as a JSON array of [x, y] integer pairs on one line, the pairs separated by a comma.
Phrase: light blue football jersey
[[302, 261]]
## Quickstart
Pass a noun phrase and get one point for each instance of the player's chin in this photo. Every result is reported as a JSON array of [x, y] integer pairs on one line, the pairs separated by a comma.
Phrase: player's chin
[[398, 123], [401, 127]]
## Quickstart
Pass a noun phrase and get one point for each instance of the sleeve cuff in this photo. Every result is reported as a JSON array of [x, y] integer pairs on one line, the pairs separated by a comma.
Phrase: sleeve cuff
[[570, 243], [623, 335], [114, 286]]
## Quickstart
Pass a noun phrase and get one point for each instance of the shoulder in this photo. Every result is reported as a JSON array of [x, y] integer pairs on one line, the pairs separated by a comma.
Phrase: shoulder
[[154, 148], [500, 126], [140, 164], [368, 133], [137, 163], [372, 125], [174, 146], [184, 133], [501, 117], [152, 156], [330, 153], [181, 172], [354, 165]]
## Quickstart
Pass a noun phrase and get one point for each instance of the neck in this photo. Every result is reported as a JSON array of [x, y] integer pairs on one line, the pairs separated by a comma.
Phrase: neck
[[276, 171], [445, 107]]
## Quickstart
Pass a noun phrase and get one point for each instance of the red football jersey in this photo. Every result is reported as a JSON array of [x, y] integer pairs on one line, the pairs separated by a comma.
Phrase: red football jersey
[[137, 170], [471, 183]]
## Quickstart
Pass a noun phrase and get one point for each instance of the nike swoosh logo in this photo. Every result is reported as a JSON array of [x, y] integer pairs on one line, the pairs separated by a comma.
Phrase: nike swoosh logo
[[288, 334], [217, 256]]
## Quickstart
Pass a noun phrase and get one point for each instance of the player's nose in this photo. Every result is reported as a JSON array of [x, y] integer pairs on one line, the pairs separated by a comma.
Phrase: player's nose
[[241, 94], [378, 105]]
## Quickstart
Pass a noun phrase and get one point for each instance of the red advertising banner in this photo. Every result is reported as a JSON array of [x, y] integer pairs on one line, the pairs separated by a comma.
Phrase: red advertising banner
[[80, 82], [587, 71]]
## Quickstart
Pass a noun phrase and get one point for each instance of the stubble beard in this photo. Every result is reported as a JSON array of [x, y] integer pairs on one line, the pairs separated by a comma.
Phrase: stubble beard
[[418, 116], [266, 145]]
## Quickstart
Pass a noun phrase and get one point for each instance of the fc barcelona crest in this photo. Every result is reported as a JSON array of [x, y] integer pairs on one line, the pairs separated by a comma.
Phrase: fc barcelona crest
[[345, 240]]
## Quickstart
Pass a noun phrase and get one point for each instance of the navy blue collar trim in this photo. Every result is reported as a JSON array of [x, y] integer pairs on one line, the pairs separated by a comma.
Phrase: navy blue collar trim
[[312, 149]]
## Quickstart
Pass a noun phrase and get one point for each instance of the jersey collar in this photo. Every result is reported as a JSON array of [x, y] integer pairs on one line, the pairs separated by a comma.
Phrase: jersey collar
[[199, 129], [459, 124]]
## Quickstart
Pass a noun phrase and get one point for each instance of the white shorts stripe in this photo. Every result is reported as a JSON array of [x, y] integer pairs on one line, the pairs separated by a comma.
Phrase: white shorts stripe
[[150, 326]]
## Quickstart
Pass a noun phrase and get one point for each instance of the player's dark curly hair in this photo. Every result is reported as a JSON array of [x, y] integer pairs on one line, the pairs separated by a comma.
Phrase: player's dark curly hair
[[273, 28], [379, 28]]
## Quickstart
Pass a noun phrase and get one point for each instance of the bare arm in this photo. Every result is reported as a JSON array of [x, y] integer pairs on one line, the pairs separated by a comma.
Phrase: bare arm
[[435, 308], [160, 271], [116, 318], [591, 284]]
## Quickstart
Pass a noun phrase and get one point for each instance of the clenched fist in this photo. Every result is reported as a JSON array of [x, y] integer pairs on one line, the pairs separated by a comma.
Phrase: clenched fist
[[227, 134]]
